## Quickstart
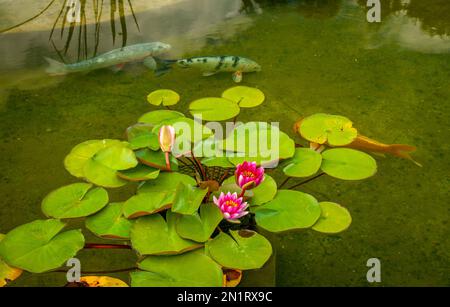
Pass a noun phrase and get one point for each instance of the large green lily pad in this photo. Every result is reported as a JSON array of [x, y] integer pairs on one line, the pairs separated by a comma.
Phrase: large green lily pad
[[288, 210], [152, 235], [323, 128], [39, 246], [110, 223], [348, 164], [74, 200], [141, 135], [244, 250], [305, 162], [244, 96], [163, 97], [7, 273], [167, 182], [102, 175], [334, 218], [193, 269], [188, 198], [263, 193], [116, 157], [146, 203], [156, 159], [139, 173], [214, 108], [199, 227], [159, 116]]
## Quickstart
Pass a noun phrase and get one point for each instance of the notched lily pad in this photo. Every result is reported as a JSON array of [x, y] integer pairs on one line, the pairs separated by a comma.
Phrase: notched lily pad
[[334, 218], [165, 97], [101, 282], [7, 273], [139, 173], [156, 159], [244, 96], [348, 164], [110, 223], [147, 203], [141, 135], [159, 116], [188, 198], [214, 108], [305, 162]]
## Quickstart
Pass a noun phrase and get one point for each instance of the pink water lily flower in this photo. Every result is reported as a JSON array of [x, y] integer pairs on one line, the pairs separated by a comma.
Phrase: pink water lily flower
[[248, 175], [232, 206]]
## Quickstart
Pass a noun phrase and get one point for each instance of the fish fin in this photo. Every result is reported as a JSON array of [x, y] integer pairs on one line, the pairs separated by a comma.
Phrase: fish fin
[[209, 73], [237, 76], [150, 63], [163, 66], [378, 154], [55, 68], [402, 151], [117, 68]]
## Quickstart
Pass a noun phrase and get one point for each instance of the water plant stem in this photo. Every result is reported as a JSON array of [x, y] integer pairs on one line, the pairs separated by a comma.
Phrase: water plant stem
[[284, 182], [306, 181]]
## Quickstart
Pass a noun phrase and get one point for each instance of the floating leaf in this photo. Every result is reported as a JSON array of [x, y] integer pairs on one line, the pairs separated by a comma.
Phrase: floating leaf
[[244, 96], [102, 175], [214, 109], [334, 218], [305, 162], [288, 210], [38, 246], [141, 135], [164, 97], [325, 128], [74, 200], [82, 153], [156, 159], [146, 203], [7, 273], [102, 281], [244, 250], [116, 157], [193, 269], [188, 198], [348, 164], [152, 235], [159, 116], [110, 223], [167, 182], [199, 227], [217, 161], [139, 173], [263, 193]]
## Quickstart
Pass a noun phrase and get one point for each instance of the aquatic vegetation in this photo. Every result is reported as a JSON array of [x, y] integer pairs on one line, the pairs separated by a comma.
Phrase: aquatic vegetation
[[206, 209]]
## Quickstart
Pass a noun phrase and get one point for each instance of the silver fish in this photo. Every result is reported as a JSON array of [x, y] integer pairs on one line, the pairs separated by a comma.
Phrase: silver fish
[[116, 57]]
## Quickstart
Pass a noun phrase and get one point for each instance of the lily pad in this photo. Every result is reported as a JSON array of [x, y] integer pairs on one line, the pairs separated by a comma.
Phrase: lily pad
[[323, 128], [167, 182], [116, 157], [193, 269], [305, 162], [159, 116], [146, 203], [217, 161], [102, 282], [263, 193], [156, 159], [348, 164], [244, 250], [334, 218], [110, 223], [139, 173], [102, 175], [199, 227], [7, 273], [288, 210], [188, 198], [164, 97], [244, 96], [141, 135], [214, 108], [82, 153], [152, 235], [74, 200], [39, 247]]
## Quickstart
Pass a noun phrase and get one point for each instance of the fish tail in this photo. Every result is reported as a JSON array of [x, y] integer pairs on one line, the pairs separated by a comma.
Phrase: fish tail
[[163, 66], [402, 151], [55, 68]]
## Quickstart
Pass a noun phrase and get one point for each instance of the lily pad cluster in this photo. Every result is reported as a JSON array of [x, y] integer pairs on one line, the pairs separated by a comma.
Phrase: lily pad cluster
[[193, 219]]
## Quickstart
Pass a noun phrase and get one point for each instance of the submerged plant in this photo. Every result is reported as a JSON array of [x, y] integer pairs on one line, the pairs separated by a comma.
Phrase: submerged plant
[[203, 208]]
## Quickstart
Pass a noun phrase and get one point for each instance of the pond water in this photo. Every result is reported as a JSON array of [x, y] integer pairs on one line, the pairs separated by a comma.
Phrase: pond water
[[392, 79]]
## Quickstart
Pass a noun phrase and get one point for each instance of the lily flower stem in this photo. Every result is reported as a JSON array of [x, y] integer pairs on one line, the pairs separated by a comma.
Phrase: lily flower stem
[[284, 182], [242, 193], [202, 170], [106, 246], [168, 161], [197, 170], [306, 181]]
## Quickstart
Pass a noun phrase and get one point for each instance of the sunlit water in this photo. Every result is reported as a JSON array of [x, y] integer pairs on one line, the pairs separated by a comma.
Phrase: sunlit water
[[392, 79]]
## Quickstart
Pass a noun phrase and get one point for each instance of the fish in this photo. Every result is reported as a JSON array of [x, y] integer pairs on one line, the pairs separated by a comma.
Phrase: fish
[[364, 143], [115, 58], [211, 65]]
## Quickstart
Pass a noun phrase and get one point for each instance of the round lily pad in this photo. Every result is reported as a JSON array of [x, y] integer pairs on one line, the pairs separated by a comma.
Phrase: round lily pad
[[152, 235], [39, 246], [348, 164], [193, 269], [159, 116], [167, 182], [7, 273], [305, 162], [74, 200], [244, 96], [334, 218], [139, 173], [244, 250], [164, 97], [116, 157], [110, 223], [214, 108], [146, 203], [188, 198], [288, 210], [323, 128], [102, 175], [141, 135]]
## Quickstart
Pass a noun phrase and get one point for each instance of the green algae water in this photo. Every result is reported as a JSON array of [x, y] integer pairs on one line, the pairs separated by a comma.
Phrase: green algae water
[[391, 78]]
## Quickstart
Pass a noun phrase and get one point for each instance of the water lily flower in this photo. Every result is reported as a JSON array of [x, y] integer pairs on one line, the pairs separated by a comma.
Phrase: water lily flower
[[166, 138], [232, 206], [248, 175]]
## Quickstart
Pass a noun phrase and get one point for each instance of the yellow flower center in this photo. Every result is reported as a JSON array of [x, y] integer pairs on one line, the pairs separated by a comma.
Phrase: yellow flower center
[[248, 174], [231, 203]]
